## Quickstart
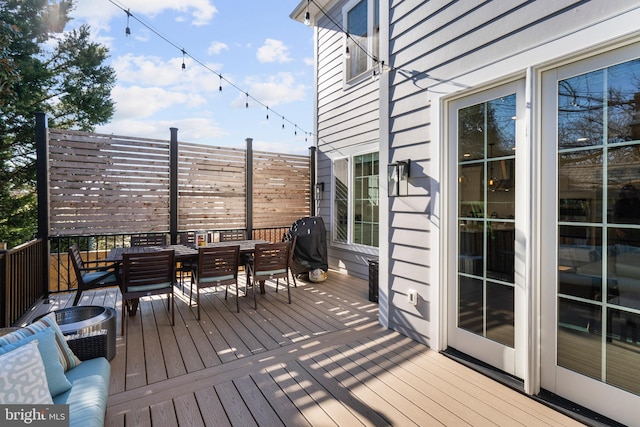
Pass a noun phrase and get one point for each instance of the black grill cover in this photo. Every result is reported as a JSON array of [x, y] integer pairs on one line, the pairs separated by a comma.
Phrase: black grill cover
[[310, 251]]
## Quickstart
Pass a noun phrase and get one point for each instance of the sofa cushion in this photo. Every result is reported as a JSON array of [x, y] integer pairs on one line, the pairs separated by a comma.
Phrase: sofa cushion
[[22, 376], [87, 398], [48, 349], [68, 360]]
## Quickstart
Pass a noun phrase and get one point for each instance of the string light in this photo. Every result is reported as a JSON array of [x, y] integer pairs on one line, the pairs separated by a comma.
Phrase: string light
[[307, 16], [127, 31], [295, 130], [347, 54], [197, 61]]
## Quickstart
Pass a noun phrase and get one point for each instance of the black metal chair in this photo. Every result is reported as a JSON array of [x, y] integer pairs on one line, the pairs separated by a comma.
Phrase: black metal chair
[[216, 266], [270, 261], [146, 274], [92, 274]]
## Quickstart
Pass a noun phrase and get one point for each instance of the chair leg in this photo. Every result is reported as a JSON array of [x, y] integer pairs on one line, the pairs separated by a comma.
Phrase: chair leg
[[173, 308], [124, 307], [77, 298], [197, 300], [288, 290], [237, 298]]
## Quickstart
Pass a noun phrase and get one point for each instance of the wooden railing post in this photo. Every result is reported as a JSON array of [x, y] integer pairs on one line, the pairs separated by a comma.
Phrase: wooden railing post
[[42, 174], [173, 186], [249, 187]]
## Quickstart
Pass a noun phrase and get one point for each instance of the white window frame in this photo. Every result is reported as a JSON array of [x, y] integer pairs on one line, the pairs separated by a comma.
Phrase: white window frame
[[372, 45], [350, 202]]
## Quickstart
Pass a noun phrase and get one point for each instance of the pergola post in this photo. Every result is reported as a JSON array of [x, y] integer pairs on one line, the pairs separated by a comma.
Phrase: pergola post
[[249, 187], [173, 186], [42, 188], [312, 181]]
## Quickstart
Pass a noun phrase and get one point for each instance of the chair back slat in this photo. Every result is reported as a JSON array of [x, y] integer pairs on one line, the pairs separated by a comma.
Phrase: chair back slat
[[218, 261], [76, 259], [271, 256], [233, 235], [148, 268], [149, 240]]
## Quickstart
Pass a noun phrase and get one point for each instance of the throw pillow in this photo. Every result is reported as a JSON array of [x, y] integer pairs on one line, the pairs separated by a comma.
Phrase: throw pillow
[[57, 381], [22, 377], [68, 360]]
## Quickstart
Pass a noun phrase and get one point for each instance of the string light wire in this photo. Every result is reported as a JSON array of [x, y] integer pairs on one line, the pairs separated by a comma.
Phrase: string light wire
[[185, 53]]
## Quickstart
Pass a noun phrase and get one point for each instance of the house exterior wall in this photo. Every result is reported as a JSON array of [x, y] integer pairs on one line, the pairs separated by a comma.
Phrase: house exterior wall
[[347, 124], [438, 51]]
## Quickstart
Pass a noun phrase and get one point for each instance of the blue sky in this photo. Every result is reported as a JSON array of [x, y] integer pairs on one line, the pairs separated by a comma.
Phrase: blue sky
[[252, 43]]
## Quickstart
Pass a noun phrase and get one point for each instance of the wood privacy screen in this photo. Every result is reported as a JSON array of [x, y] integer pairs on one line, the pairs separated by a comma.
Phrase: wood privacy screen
[[108, 184]]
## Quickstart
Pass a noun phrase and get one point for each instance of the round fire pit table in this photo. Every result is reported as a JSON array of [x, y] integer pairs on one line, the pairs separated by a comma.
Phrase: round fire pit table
[[88, 321]]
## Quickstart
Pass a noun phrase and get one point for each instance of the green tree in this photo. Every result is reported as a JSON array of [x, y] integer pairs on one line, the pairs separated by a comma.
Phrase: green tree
[[43, 69]]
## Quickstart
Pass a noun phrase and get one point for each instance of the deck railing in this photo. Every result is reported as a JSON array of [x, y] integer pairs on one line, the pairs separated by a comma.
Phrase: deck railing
[[62, 278], [22, 278]]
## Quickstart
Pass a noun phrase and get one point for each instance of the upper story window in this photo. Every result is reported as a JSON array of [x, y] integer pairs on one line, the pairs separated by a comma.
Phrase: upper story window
[[362, 23]]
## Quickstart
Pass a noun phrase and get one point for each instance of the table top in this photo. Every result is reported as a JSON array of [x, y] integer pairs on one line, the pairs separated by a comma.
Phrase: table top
[[182, 252]]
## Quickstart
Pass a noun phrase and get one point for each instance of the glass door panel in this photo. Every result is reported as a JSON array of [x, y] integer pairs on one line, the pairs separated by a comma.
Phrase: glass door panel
[[599, 225], [484, 325]]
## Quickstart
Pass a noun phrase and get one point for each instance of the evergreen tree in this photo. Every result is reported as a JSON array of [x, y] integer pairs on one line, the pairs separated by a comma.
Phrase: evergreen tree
[[43, 69]]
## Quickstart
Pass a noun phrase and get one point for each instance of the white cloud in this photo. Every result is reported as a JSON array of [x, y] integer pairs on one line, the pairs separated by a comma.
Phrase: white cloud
[[273, 51], [217, 47], [99, 15], [195, 129], [139, 102], [278, 89]]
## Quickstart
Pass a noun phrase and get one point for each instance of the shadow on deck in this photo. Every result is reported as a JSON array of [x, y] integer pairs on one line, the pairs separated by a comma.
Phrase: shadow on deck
[[323, 360]]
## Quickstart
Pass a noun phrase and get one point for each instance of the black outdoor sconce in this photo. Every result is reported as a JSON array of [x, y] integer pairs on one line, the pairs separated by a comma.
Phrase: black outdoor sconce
[[319, 191], [398, 178]]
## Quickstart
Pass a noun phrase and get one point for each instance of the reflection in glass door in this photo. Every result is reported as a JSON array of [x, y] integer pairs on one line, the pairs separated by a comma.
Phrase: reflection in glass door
[[598, 294], [484, 323]]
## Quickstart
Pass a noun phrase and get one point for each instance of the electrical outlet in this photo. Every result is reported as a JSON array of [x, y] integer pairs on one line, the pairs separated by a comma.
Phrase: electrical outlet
[[412, 296]]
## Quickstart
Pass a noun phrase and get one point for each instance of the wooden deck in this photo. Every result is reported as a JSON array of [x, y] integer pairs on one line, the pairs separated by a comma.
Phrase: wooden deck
[[323, 360]]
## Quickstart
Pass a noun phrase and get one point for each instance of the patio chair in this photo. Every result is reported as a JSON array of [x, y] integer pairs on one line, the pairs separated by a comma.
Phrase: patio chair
[[216, 266], [146, 274], [270, 261], [92, 274], [233, 235], [149, 240], [186, 266]]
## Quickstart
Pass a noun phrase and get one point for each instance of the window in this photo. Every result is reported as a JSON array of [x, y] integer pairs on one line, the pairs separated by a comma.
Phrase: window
[[356, 200], [362, 23]]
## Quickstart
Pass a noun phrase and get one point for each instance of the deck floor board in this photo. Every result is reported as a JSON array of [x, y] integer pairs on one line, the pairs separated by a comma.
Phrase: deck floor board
[[322, 360]]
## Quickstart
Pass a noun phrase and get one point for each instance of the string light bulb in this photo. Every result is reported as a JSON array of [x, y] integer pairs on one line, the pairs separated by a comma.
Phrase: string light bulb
[[267, 112], [347, 54], [246, 104], [307, 16], [184, 66], [127, 31], [282, 122], [220, 88]]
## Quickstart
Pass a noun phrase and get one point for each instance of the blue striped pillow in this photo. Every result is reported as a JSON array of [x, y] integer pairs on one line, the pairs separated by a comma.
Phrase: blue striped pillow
[[68, 360]]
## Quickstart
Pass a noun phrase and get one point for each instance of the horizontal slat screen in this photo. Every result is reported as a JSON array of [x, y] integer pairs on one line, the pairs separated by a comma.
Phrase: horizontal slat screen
[[107, 184], [281, 189]]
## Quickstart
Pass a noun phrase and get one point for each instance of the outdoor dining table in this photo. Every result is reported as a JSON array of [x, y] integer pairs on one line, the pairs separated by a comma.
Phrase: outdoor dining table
[[182, 253]]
